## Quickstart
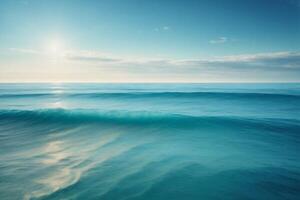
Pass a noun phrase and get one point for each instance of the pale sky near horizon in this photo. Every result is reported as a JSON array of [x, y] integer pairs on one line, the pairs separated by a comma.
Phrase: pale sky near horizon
[[149, 41]]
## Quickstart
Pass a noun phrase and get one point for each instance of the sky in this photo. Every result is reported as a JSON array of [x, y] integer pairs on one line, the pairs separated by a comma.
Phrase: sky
[[149, 41]]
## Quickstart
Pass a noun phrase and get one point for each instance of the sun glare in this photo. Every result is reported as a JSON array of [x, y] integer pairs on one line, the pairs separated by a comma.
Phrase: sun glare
[[56, 48]]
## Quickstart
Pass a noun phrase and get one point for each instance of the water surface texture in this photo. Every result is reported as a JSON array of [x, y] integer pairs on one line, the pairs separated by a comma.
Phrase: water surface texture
[[149, 141]]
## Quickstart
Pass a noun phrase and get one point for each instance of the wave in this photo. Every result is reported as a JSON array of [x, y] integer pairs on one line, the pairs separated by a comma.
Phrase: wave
[[169, 179], [25, 95], [159, 95], [149, 143], [78, 116]]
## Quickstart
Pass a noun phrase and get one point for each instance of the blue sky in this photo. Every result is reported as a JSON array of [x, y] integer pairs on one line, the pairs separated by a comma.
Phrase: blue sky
[[149, 41]]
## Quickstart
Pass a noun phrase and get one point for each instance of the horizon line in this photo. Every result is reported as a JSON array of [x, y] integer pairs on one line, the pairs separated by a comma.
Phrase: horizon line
[[140, 82]]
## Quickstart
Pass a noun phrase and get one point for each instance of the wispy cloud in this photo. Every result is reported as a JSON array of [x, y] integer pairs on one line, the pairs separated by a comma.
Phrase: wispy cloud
[[262, 60], [163, 28], [270, 60], [219, 40], [270, 66], [26, 51], [275, 61], [166, 28], [90, 56]]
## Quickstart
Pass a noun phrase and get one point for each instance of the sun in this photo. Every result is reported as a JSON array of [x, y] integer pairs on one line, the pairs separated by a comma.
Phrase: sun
[[56, 48]]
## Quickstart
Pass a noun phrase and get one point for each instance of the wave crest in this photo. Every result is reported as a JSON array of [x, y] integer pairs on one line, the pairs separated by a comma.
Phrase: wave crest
[[134, 118]]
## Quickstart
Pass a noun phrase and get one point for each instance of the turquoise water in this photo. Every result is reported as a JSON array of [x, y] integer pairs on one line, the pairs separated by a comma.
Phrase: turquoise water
[[149, 141]]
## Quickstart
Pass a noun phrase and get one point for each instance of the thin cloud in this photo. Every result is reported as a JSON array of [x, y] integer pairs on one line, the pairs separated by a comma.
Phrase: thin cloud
[[265, 61], [164, 28], [25, 51], [90, 56], [270, 61], [219, 40]]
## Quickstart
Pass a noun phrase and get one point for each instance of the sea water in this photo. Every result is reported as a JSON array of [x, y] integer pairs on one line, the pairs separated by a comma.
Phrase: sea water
[[149, 141]]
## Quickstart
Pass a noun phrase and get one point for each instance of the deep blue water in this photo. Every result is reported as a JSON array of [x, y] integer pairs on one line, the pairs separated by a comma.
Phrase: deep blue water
[[149, 141]]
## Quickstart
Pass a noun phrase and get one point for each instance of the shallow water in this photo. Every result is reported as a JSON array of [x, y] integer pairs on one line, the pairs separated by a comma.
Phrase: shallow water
[[149, 141]]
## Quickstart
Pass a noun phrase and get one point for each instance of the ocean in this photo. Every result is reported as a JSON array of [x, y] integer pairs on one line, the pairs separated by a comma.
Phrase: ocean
[[150, 141]]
